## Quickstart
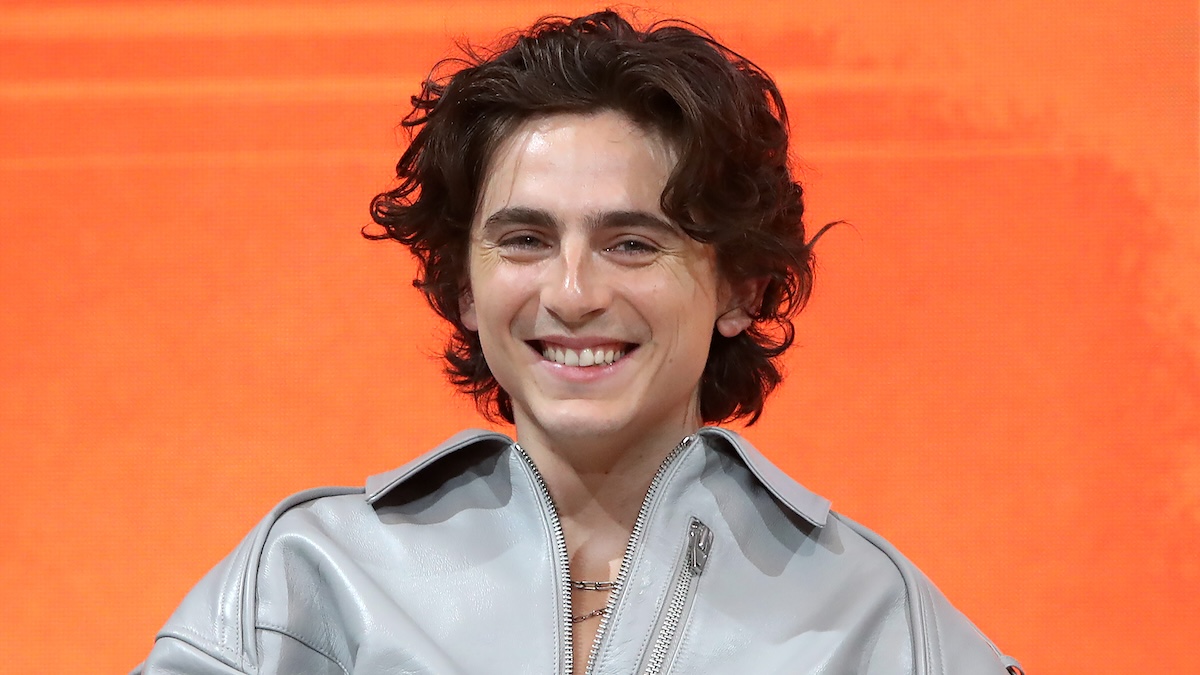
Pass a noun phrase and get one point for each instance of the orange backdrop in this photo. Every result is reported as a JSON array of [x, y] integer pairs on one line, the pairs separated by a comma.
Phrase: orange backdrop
[[998, 371]]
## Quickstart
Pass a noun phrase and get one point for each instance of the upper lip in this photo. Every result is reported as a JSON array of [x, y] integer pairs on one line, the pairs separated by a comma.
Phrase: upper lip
[[578, 342]]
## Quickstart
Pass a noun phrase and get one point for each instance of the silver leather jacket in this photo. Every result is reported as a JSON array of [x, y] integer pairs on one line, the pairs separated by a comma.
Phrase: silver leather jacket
[[456, 563]]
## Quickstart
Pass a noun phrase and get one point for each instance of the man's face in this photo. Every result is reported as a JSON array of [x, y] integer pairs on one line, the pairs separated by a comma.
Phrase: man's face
[[594, 310]]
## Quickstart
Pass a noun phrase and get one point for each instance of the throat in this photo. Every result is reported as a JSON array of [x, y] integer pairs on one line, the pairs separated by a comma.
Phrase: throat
[[594, 569]]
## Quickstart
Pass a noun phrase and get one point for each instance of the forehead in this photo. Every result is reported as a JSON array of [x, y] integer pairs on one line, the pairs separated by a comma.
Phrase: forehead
[[573, 162]]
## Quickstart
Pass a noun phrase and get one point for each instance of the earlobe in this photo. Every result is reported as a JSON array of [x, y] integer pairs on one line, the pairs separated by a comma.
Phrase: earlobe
[[733, 322], [745, 301], [466, 311]]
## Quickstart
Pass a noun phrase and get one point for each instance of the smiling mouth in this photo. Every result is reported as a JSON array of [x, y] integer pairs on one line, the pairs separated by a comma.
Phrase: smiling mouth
[[589, 356]]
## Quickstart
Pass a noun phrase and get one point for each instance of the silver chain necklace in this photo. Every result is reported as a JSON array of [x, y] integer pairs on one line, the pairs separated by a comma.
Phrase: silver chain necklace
[[592, 586]]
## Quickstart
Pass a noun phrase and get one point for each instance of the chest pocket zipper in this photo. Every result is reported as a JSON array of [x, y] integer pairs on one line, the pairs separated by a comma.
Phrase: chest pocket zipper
[[674, 615]]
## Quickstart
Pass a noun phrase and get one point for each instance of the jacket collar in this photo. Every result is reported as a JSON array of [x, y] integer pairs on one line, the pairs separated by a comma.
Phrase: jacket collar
[[808, 505], [382, 483]]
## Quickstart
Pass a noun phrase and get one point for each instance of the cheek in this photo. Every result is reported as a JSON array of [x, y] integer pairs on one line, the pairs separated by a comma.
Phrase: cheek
[[692, 273], [502, 300], [476, 305]]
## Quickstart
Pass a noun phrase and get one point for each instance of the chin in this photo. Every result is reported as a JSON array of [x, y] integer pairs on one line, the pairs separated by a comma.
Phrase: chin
[[594, 427], [586, 422], [579, 420]]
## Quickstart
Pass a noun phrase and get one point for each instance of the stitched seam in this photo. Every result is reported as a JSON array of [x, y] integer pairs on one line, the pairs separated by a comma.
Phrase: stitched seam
[[662, 601], [1004, 659], [685, 633], [935, 630], [615, 620], [560, 641], [200, 644], [912, 596], [915, 601], [241, 596], [248, 585], [282, 630], [200, 641], [928, 628]]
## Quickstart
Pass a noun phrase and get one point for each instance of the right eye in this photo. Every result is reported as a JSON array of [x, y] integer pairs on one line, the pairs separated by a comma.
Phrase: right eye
[[522, 241], [523, 246]]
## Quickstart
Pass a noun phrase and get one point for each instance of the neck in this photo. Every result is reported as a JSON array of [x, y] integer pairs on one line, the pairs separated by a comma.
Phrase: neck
[[598, 486]]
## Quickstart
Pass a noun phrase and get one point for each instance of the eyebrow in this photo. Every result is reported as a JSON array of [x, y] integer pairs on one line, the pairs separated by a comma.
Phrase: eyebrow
[[524, 215], [520, 215]]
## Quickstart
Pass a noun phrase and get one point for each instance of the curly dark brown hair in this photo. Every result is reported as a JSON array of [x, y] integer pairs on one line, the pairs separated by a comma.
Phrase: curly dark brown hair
[[732, 187]]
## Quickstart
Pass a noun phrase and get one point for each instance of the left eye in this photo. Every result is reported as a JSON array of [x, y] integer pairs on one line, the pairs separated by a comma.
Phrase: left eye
[[633, 246]]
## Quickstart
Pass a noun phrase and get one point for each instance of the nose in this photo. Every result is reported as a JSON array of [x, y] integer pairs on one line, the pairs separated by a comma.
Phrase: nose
[[574, 288]]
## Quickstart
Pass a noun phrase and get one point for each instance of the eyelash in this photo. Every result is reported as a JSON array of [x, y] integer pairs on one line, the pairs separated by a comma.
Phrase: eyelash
[[522, 241], [633, 246], [527, 242]]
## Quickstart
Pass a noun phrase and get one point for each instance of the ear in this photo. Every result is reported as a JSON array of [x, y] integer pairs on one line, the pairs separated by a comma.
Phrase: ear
[[745, 299], [466, 311]]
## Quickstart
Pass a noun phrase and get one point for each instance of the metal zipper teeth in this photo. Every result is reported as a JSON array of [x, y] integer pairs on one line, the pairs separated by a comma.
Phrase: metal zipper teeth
[[635, 538], [562, 560], [666, 632], [685, 579]]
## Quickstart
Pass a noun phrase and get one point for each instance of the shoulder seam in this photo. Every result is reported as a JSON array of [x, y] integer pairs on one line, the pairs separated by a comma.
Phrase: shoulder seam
[[248, 604], [917, 614], [282, 630], [195, 640]]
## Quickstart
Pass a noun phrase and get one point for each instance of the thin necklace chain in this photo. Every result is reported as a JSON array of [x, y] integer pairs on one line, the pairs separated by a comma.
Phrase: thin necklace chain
[[590, 615], [605, 585], [593, 585]]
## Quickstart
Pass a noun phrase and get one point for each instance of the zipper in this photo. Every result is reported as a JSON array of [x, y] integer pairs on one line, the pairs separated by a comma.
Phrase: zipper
[[695, 557], [561, 559], [635, 538]]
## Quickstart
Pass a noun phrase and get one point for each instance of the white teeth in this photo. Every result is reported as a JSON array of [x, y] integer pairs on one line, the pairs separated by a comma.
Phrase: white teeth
[[582, 358]]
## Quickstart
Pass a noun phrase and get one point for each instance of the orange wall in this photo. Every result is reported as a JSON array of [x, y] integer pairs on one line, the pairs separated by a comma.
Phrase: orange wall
[[1000, 369]]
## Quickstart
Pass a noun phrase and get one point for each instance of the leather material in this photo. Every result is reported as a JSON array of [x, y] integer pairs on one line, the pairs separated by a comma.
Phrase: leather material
[[449, 565]]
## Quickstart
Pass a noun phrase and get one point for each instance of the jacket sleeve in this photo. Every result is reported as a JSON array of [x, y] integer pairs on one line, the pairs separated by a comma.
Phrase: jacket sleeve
[[172, 656], [952, 642], [212, 630], [945, 642]]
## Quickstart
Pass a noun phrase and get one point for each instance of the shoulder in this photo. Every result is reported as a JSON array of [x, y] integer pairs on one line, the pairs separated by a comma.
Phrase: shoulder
[[220, 617], [217, 617], [944, 640]]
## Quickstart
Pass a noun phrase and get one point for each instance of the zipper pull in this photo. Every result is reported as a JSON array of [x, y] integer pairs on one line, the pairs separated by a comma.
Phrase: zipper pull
[[699, 546]]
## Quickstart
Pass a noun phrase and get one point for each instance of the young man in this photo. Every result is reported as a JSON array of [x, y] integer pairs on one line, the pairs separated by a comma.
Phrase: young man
[[606, 218]]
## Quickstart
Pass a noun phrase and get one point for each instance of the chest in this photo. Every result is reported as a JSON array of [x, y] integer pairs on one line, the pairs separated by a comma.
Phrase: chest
[[703, 589]]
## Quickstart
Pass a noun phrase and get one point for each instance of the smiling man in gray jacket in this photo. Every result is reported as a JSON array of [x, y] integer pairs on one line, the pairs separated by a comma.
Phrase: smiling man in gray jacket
[[606, 218]]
